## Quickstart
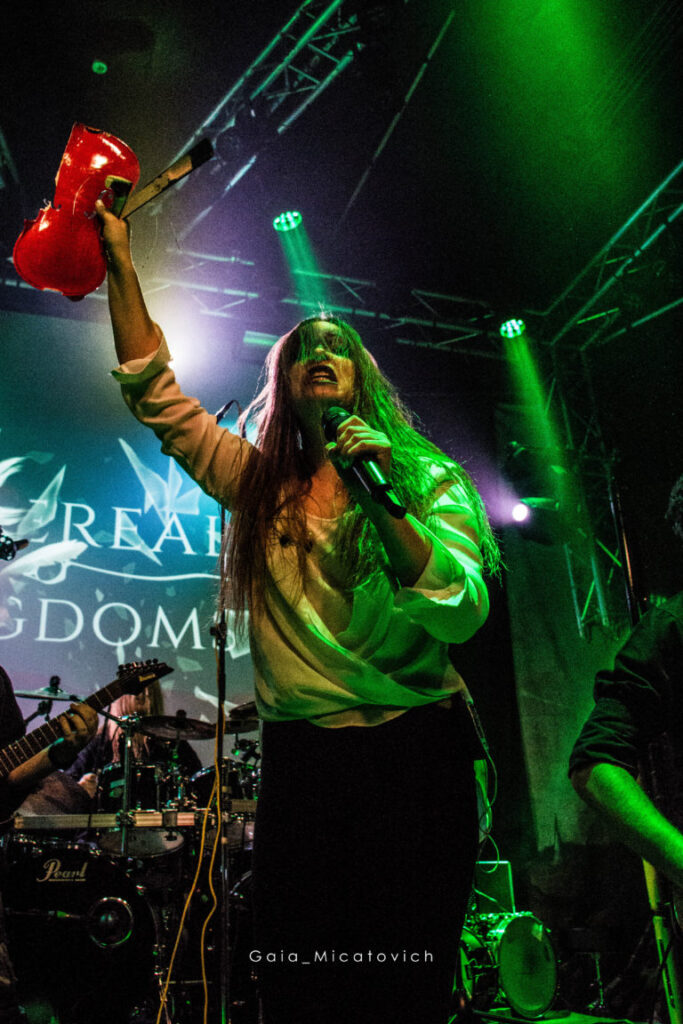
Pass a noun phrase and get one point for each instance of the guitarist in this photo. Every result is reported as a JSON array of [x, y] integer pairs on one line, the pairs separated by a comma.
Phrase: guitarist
[[633, 737], [637, 702], [78, 724]]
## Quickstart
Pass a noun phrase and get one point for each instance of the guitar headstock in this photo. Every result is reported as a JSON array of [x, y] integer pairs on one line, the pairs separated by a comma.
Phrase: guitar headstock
[[136, 675]]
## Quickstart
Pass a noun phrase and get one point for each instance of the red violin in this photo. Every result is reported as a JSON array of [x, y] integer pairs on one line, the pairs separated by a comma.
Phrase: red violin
[[62, 249]]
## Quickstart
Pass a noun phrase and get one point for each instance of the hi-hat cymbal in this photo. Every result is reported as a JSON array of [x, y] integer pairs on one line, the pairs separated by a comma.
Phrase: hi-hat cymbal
[[46, 693], [176, 727], [242, 718]]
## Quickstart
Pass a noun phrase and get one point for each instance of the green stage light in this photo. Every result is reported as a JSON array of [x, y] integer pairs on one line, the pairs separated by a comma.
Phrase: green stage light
[[512, 328], [258, 338], [287, 221], [307, 279], [99, 67]]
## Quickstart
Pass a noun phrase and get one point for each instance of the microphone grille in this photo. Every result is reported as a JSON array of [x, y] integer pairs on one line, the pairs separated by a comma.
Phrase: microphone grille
[[332, 419]]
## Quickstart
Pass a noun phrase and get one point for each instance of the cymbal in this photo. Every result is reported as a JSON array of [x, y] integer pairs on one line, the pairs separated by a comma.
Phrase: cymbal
[[242, 718], [46, 693], [176, 727]]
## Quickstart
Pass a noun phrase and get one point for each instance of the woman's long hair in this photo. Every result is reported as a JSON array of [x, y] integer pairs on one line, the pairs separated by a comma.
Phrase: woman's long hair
[[276, 475], [126, 705]]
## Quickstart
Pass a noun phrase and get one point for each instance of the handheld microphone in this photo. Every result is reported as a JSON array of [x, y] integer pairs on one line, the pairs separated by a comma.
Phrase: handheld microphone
[[366, 471]]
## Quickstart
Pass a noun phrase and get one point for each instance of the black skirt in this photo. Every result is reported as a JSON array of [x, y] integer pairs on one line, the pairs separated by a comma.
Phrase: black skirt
[[365, 844]]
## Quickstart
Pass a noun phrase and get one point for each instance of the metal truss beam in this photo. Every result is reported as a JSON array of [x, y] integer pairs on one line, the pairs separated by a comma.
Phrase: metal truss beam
[[8, 170], [309, 52], [415, 317], [420, 318], [632, 280], [617, 290], [597, 553]]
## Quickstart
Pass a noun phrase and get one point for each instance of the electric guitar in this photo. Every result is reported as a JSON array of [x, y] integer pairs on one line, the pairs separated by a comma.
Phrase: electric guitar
[[131, 678]]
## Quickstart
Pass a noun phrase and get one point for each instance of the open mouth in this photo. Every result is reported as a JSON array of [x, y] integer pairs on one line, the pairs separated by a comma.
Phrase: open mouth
[[322, 374]]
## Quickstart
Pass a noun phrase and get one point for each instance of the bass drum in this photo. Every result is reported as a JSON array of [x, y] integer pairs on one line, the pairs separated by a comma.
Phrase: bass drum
[[507, 959], [242, 987], [83, 939]]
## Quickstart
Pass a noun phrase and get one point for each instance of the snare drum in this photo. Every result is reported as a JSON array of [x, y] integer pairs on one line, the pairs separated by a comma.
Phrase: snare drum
[[68, 904], [158, 849]]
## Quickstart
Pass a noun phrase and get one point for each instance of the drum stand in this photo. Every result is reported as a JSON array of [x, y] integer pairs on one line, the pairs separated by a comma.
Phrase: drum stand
[[129, 725]]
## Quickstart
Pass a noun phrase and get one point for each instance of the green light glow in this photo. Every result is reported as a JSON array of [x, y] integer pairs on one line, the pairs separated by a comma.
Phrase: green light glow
[[530, 388], [308, 282], [567, 104], [287, 221], [99, 67], [258, 338], [540, 436], [512, 328]]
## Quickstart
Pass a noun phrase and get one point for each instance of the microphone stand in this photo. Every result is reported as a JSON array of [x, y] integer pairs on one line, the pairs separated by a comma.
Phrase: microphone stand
[[219, 631]]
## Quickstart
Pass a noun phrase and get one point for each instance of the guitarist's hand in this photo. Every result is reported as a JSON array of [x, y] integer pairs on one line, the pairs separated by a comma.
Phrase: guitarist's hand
[[79, 725]]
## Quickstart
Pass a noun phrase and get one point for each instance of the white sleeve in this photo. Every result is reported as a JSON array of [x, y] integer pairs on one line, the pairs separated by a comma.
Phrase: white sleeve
[[449, 599], [209, 453]]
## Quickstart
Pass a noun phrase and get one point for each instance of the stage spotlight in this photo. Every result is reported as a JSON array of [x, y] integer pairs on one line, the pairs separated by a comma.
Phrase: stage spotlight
[[520, 512], [288, 220], [512, 328], [535, 478], [307, 279], [539, 519]]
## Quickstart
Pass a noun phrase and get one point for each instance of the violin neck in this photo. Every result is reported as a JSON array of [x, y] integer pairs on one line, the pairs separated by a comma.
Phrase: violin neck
[[197, 156]]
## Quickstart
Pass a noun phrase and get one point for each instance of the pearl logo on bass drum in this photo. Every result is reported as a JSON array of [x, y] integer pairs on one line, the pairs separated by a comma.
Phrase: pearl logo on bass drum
[[55, 873]]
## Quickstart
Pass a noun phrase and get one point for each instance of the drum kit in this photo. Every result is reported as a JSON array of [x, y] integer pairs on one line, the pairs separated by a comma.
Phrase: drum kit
[[101, 905], [106, 909]]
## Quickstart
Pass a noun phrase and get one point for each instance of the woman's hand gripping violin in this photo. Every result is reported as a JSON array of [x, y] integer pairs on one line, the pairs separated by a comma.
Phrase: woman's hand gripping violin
[[61, 250]]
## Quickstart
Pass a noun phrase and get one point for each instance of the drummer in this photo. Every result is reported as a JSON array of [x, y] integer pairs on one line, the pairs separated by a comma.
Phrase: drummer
[[106, 747]]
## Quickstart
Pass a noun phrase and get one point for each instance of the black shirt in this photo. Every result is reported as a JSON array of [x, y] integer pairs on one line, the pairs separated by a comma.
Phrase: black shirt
[[11, 728], [641, 698]]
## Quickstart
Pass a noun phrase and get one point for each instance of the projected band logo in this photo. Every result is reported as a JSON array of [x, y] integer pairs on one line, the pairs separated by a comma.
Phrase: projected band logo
[[131, 575]]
